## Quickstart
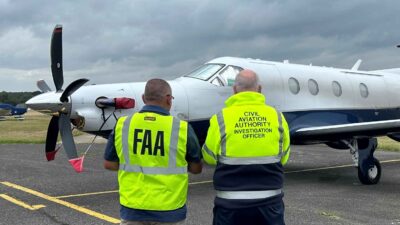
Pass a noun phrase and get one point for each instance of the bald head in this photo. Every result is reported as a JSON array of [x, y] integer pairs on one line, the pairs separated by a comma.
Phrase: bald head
[[158, 92], [246, 80]]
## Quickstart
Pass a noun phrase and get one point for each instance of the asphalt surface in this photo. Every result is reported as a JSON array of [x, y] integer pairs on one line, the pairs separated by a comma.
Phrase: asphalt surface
[[321, 188]]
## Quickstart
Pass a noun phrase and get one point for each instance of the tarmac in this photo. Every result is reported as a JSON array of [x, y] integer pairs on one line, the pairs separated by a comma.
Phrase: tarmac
[[321, 187]]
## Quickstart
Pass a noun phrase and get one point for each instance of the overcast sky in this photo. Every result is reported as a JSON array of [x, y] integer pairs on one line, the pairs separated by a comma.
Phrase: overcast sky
[[130, 40]]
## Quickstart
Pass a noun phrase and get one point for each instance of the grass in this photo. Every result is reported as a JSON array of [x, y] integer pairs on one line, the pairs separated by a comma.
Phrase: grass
[[387, 144], [33, 129]]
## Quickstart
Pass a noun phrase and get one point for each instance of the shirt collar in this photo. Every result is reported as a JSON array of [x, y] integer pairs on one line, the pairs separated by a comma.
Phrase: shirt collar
[[154, 109], [246, 98]]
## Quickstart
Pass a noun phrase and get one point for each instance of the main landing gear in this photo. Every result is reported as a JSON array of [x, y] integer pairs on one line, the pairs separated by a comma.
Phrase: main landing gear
[[362, 151]]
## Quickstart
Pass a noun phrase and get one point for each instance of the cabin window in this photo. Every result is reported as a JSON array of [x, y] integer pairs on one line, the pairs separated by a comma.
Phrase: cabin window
[[313, 86], [228, 74], [336, 88], [364, 90], [205, 71], [294, 85]]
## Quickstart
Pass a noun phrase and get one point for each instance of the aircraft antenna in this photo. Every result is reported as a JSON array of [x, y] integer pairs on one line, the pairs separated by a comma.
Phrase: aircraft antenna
[[356, 65]]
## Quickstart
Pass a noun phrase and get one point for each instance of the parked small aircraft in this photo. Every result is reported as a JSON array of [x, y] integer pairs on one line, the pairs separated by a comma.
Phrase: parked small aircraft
[[10, 110], [343, 108]]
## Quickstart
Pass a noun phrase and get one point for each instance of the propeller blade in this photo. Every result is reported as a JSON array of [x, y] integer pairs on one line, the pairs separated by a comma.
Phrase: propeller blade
[[66, 136], [51, 139], [72, 88], [56, 57], [69, 144], [42, 85]]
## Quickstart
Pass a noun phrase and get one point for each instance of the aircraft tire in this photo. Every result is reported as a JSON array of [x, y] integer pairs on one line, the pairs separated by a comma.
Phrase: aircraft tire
[[373, 175]]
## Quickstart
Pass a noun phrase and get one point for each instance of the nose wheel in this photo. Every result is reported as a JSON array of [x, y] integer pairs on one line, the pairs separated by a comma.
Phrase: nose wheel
[[372, 175]]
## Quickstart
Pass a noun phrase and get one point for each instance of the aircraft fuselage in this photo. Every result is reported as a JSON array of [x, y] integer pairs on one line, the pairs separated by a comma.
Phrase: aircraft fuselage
[[307, 95]]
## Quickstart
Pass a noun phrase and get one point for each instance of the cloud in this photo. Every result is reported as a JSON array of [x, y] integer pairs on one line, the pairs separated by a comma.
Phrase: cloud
[[122, 41], [19, 46]]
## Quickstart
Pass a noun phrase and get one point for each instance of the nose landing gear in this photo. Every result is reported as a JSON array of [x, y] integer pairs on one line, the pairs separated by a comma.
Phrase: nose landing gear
[[368, 167]]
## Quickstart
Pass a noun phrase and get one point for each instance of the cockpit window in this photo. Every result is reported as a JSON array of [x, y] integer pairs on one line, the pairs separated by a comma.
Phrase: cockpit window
[[217, 82], [205, 72], [229, 74]]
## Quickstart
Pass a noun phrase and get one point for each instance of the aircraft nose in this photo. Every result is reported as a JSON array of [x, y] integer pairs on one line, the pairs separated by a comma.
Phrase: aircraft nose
[[48, 103]]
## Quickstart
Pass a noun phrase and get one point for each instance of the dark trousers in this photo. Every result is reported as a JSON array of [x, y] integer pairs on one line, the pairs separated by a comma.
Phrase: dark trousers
[[270, 214]]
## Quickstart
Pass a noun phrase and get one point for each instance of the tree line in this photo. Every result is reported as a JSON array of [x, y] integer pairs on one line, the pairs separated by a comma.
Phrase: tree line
[[15, 98]]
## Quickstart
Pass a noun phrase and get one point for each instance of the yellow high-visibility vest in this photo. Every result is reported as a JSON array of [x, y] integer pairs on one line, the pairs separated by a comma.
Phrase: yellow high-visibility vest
[[247, 131], [153, 171]]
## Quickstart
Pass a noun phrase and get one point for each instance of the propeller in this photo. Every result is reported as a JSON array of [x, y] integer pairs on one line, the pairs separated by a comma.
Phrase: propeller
[[61, 122], [42, 85], [51, 138], [56, 57]]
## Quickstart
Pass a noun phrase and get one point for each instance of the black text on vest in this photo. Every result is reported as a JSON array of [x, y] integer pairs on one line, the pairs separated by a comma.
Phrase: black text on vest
[[147, 147]]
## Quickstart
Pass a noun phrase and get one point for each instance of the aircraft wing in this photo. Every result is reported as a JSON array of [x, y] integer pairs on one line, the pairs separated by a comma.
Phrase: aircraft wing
[[345, 131]]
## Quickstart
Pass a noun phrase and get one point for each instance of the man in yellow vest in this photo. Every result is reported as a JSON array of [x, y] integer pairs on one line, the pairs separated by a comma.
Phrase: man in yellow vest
[[248, 141], [152, 152]]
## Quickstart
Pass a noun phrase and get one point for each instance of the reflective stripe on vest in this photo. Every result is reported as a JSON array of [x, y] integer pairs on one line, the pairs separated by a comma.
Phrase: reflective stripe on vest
[[280, 133], [246, 160], [153, 170], [209, 152], [249, 160], [221, 123], [248, 194], [171, 169]]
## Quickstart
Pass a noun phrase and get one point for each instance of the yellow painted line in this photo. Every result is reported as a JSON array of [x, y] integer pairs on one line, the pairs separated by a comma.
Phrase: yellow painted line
[[336, 167], [64, 203], [322, 168], [201, 182], [21, 203], [116, 191], [210, 181], [391, 160], [87, 194]]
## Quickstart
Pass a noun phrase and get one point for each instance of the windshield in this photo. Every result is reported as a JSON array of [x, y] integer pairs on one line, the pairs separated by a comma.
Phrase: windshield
[[205, 72]]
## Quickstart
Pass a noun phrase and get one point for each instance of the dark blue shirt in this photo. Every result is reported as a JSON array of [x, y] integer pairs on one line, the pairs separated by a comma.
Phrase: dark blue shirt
[[193, 154]]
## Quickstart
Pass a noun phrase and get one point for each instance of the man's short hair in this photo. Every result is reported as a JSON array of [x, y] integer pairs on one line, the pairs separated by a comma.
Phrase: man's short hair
[[246, 80], [156, 89]]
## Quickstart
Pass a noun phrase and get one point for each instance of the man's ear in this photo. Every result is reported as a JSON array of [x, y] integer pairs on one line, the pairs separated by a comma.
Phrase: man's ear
[[259, 89], [168, 103], [144, 100], [234, 89]]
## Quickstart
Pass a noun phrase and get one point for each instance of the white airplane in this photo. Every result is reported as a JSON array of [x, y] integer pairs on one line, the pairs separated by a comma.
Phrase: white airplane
[[343, 108]]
